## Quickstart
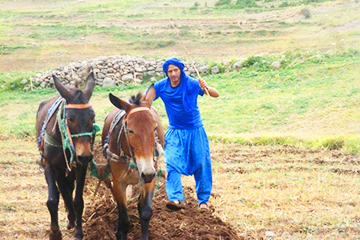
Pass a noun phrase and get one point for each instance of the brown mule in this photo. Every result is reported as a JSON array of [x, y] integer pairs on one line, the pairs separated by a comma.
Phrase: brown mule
[[63, 166], [132, 138]]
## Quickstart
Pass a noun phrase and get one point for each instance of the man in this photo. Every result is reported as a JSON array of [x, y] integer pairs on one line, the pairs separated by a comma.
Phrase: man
[[186, 144]]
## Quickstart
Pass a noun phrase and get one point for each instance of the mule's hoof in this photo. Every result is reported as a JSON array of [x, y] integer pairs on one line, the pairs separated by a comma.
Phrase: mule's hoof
[[79, 235], [70, 225], [55, 235]]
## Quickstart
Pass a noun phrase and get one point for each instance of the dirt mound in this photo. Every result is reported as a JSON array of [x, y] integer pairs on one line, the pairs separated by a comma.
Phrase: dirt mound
[[191, 223]]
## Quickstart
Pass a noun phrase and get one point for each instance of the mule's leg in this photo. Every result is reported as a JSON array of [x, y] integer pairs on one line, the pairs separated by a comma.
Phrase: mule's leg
[[145, 208], [79, 201], [53, 202], [66, 187], [119, 192]]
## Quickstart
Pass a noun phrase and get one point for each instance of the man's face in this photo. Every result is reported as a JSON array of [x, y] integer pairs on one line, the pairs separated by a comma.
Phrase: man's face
[[174, 74]]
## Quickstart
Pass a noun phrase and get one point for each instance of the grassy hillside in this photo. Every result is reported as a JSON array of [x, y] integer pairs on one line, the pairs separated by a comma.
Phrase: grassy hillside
[[312, 101], [36, 35]]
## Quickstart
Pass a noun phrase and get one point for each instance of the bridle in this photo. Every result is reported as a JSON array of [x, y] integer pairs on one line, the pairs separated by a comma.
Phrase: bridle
[[66, 136], [124, 129]]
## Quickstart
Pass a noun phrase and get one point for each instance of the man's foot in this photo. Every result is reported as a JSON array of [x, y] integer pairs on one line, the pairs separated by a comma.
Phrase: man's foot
[[203, 206], [175, 205]]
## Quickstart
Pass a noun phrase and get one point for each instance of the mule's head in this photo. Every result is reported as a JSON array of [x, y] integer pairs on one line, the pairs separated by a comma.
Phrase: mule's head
[[141, 128], [80, 116]]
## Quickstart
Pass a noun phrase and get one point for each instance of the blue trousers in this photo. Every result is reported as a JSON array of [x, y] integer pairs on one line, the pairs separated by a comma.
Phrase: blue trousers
[[187, 152]]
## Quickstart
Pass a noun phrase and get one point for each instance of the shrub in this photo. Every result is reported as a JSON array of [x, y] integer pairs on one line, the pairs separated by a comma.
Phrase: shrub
[[257, 62], [305, 12], [246, 4], [222, 2], [284, 4]]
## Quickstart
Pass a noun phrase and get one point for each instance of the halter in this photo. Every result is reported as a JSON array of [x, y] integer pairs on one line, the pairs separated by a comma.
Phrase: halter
[[138, 109], [132, 164], [122, 116], [66, 136]]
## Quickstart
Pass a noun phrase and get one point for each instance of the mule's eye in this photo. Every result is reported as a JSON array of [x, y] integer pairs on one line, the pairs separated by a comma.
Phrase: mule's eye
[[130, 131], [70, 119]]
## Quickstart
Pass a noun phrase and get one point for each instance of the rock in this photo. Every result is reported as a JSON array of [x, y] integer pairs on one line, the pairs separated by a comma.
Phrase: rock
[[204, 70], [215, 70], [151, 73], [127, 78], [108, 82], [237, 65], [100, 75], [138, 69], [270, 234], [24, 81], [77, 65], [276, 65]]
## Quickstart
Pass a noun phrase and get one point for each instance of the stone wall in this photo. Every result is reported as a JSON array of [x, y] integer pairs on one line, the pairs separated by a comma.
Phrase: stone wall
[[117, 70]]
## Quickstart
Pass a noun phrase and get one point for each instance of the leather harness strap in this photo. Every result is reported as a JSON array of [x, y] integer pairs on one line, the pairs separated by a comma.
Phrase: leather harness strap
[[78, 106]]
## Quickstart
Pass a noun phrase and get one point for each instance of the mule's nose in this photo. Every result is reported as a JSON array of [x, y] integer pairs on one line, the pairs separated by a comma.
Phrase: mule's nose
[[147, 177]]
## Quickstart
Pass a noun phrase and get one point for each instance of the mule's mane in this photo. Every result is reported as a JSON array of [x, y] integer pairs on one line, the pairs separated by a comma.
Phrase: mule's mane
[[136, 99]]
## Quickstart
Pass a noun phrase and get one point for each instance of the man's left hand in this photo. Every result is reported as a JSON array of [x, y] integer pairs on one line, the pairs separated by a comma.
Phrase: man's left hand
[[203, 83]]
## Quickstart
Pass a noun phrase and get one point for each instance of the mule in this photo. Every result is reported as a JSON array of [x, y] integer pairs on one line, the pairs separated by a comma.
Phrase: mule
[[132, 138], [68, 116]]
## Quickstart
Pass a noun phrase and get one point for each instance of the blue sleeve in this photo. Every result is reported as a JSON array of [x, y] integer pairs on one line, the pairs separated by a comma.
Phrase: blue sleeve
[[201, 92], [196, 86], [157, 89]]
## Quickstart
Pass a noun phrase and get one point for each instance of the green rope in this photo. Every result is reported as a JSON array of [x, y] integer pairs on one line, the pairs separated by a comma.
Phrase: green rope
[[64, 134], [132, 165], [96, 128], [158, 175], [94, 172]]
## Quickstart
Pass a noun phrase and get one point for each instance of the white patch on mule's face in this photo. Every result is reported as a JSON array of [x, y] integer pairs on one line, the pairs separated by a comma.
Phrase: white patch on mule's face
[[145, 167]]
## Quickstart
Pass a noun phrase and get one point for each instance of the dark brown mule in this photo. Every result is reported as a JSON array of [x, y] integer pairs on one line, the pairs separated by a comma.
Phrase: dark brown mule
[[132, 145], [60, 173]]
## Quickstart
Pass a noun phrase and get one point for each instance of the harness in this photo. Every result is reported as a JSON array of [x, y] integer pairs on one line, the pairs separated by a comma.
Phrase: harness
[[122, 157], [66, 136]]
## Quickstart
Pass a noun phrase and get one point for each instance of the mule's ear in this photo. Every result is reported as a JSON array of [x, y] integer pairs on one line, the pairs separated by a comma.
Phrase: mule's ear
[[149, 95], [90, 84], [64, 92], [119, 103]]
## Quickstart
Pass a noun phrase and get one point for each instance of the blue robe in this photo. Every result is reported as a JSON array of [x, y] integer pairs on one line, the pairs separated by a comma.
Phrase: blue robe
[[187, 148]]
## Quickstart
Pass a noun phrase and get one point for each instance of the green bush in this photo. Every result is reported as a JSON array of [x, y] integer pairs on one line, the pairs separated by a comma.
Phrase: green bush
[[246, 4], [222, 3], [305, 12]]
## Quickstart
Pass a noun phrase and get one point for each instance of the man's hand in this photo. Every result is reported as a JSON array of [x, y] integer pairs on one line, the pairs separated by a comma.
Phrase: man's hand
[[203, 84], [210, 91]]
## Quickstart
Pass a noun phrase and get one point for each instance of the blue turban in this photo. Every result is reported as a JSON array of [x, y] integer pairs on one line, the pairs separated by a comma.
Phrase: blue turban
[[189, 101]]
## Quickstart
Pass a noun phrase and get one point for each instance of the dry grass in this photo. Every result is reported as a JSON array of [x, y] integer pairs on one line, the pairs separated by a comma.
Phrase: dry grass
[[293, 192]]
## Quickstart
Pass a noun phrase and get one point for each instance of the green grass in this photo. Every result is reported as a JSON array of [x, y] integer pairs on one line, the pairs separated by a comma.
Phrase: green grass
[[311, 101]]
